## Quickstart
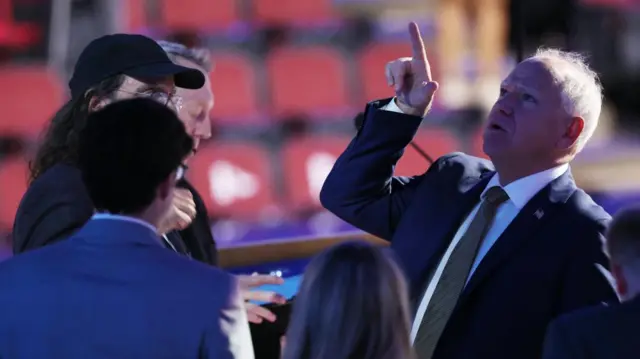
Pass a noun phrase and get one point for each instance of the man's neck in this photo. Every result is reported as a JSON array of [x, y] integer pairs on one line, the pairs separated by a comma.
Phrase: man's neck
[[511, 170], [136, 217]]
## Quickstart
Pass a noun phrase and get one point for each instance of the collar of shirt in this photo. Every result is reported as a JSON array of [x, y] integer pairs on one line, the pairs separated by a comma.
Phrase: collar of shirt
[[118, 217], [521, 191]]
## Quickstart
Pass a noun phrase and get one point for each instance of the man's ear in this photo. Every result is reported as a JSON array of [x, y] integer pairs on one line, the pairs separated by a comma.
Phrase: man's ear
[[572, 132], [622, 287], [97, 103], [165, 187]]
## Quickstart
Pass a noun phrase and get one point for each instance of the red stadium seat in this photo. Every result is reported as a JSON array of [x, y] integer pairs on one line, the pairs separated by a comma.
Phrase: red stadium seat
[[234, 179], [234, 85], [16, 33], [13, 184], [371, 66], [477, 142], [435, 142], [133, 15], [307, 162], [307, 80], [30, 97], [293, 12], [199, 14]]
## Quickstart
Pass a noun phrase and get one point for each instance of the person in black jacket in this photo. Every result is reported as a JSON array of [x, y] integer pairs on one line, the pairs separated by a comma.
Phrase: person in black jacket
[[606, 331], [196, 239], [56, 204]]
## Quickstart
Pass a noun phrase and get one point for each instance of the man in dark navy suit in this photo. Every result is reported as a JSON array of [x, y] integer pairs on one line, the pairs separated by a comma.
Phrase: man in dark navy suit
[[603, 332], [112, 290], [494, 250]]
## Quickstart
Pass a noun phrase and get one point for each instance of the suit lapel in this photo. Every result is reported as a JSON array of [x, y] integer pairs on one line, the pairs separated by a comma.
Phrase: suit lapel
[[527, 223], [448, 218]]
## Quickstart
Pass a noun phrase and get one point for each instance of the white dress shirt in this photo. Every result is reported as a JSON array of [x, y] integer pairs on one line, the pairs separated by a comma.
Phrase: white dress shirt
[[119, 217], [520, 192]]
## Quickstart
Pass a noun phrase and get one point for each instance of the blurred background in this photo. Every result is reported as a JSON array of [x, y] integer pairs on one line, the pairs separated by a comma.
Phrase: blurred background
[[290, 78]]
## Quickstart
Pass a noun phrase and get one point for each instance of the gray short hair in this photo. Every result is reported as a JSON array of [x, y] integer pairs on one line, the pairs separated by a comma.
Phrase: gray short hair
[[579, 84], [199, 56]]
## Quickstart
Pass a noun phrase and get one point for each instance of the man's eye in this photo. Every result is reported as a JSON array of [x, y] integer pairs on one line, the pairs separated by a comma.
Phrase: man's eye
[[527, 97], [159, 96]]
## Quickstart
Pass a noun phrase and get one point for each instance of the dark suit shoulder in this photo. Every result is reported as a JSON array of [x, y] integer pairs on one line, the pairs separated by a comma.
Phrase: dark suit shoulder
[[586, 210], [584, 316], [461, 165], [61, 177], [599, 322], [60, 183], [54, 206]]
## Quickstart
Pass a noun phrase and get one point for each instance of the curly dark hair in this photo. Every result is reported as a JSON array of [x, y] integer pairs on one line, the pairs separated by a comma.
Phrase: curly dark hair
[[60, 141]]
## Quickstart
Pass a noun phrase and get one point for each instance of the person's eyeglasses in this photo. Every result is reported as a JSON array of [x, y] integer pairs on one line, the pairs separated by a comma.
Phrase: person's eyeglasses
[[174, 102], [180, 172]]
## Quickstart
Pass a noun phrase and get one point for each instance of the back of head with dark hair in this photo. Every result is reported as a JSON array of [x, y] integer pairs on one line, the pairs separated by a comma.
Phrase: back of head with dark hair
[[127, 150], [353, 303], [623, 237]]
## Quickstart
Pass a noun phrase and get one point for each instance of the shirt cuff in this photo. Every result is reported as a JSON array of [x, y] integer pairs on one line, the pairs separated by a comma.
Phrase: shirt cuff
[[392, 106]]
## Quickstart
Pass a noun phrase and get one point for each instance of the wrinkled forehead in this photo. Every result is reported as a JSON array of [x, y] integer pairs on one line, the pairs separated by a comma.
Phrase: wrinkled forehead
[[532, 74]]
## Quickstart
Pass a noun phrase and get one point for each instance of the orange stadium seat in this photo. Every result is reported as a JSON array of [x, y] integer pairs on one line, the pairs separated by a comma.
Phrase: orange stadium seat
[[435, 142], [307, 80], [234, 179], [371, 63], [30, 97], [294, 12], [307, 162], [234, 85], [13, 184], [199, 14]]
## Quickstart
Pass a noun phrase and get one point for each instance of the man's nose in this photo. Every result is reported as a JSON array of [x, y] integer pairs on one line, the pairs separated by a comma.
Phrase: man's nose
[[203, 129], [504, 106]]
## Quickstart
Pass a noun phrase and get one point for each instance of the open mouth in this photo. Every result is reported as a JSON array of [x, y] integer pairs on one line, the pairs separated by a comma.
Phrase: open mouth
[[496, 127]]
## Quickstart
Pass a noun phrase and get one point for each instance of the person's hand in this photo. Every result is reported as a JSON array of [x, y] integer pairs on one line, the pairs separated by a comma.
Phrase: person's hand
[[411, 77], [181, 214], [256, 313]]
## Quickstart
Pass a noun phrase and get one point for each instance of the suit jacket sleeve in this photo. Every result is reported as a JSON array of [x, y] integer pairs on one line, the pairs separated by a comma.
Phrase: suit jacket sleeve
[[588, 281], [558, 343], [361, 188], [229, 337]]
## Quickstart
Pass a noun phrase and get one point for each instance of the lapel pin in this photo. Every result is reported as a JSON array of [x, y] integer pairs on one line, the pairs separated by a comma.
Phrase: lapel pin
[[539, 213]]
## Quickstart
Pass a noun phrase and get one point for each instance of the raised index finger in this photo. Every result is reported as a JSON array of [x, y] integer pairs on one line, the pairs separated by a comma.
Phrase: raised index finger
[[417, 45]]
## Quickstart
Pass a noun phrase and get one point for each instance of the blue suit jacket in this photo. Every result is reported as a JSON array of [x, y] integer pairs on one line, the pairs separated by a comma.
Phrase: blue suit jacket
[[112, 291], [600, 332], [538, 268], [57, 204]]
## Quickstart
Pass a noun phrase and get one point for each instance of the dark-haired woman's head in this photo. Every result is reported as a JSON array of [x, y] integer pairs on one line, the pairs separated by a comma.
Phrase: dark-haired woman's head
[[353, 303], [130, 155]]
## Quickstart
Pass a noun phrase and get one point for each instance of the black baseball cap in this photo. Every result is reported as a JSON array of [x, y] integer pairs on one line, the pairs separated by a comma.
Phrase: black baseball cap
[[133, 55]]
